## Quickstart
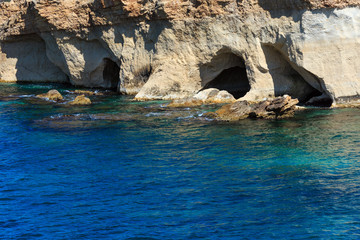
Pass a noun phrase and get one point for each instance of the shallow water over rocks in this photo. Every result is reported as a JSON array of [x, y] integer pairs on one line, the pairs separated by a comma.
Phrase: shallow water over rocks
[[121, 169]]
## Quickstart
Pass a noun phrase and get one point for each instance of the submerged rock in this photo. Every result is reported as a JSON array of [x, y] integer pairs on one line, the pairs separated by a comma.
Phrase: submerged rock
[[280, 107], [52, 95], [80, 100], [207, 96]]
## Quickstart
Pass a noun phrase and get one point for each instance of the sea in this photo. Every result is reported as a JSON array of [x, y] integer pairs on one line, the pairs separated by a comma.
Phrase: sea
[[123, 169]]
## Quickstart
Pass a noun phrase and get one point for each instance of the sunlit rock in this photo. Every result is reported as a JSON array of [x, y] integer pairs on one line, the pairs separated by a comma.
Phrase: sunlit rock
[[52, 95]]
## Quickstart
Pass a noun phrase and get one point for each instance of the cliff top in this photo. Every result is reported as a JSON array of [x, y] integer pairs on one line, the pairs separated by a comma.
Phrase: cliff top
[[24, 16]]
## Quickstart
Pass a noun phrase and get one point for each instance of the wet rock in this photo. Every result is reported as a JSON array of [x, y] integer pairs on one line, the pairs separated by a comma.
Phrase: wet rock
[[234, 112], [52, 95], [80, 100], [280, 107], [207, 96]]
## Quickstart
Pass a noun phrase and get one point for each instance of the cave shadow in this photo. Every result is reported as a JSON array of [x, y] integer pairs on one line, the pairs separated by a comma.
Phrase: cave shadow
[[111, 73], [226, 71], [288, 80]]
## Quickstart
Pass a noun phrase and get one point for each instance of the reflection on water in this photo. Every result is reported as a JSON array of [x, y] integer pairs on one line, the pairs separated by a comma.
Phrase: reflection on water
[[120, 169]]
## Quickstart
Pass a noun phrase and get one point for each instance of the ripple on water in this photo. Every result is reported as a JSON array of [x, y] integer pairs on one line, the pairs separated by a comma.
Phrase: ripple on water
[[131, 170]]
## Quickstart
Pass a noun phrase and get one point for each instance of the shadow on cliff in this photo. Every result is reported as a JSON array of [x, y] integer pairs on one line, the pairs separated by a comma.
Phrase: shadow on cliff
[[280, 8], [29, 50], [294, 8], [32, 63]]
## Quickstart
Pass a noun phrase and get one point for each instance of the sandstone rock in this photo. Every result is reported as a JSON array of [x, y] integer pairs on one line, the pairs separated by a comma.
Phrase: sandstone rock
[[52, 95], [207, 96], [80, 100], [280, 107]]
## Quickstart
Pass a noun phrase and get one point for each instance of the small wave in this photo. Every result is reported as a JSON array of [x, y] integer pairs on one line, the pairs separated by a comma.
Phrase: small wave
[[152, 114], [25, 96], [187, 117]]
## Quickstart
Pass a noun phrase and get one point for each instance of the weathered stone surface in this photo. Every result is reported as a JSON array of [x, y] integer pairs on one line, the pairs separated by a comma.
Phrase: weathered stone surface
[[80, 100], [207, 96], [165, 49], [52, 95], [280, 107]]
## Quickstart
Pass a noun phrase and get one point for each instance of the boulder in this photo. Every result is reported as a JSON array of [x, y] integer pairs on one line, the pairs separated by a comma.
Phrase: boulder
[[185, 102], [52, 95], [207, 96], [80, 100], [280, 107]]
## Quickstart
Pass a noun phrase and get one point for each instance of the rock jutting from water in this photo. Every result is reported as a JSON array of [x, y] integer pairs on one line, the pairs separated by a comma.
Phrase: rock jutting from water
[[52, 95], [207, 96], [278, 108], [81, 100], [161, 49]]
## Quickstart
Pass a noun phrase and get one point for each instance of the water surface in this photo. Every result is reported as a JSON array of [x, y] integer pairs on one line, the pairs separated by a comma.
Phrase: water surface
[[120, 169]]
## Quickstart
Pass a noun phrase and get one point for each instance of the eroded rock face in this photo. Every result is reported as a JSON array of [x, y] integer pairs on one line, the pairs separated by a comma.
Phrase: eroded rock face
[[165, 49]]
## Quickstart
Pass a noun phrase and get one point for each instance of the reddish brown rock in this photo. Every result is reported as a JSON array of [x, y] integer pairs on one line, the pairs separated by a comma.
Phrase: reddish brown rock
[[280, 107]]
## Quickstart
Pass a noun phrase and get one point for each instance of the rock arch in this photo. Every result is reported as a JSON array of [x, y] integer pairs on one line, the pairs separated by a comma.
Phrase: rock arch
[[293, 80], [226, 71]]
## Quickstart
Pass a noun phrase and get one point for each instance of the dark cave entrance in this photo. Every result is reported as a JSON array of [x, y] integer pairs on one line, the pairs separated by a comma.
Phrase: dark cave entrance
[[232, 75], [111, 74], [293, 80]]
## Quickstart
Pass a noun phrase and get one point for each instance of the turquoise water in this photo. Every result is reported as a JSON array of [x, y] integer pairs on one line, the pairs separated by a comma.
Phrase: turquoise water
[[121, 169]]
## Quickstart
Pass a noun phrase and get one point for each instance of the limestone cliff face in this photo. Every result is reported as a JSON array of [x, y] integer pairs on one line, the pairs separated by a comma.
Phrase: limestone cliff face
[[170, 49]]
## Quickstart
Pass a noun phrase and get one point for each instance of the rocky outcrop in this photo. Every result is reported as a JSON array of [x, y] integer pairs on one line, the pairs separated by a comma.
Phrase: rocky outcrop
[[278, 108], [81, 100], [162, 49], [52, 95]]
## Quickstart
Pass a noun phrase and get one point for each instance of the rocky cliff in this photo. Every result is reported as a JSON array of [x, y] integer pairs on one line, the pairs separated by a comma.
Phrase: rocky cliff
[[166, 49]]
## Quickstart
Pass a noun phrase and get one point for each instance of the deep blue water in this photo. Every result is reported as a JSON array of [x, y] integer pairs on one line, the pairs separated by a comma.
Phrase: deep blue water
[[121, 169]]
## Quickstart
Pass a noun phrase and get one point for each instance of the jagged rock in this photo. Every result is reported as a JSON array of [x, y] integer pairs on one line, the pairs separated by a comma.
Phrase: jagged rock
[[234, 112], [280, 107], [80, 100], [52, 95]]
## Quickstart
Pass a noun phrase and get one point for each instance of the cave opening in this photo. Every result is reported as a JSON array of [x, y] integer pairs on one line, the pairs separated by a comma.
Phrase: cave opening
[[293, 80], [111, 74], [229, 74]]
